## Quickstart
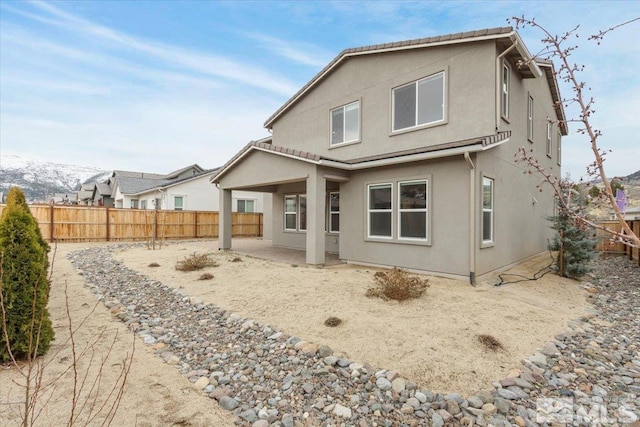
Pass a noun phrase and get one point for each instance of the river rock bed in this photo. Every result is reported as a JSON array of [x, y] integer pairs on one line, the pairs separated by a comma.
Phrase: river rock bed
[[588, 375]]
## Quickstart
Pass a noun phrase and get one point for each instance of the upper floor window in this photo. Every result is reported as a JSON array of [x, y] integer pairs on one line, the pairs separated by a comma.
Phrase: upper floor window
[[530, 119], [345, 123], [559, 150], [419, 103], [178, 203], [506, 76], [549, 145]]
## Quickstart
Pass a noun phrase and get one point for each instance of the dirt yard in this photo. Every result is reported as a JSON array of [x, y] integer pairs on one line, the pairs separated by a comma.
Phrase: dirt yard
[[432, 340]]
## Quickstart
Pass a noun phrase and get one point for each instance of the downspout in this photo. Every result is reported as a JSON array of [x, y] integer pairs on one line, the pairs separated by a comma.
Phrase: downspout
[[499, 81], [472, 219]]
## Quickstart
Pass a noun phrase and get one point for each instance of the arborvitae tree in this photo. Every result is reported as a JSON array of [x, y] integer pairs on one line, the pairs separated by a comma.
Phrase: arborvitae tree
[[23, 281], [574, 243]]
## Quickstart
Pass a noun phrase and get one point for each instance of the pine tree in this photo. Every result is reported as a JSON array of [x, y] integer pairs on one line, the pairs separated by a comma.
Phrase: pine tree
[[575, 245], [26, 325]]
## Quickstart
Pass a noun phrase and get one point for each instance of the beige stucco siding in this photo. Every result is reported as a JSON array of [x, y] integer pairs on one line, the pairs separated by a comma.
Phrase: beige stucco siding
[[470, 77], [448, 210], [521, 210]]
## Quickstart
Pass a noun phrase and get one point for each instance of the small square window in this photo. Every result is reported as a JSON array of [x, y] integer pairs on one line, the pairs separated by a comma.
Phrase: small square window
[[345, 123]]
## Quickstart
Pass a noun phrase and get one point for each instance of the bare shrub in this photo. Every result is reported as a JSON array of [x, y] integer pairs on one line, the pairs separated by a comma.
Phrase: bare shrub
[[397, 285], [236, 259], [154, 264], [490, 342], [332, 322], [205, 276], [196, 262]]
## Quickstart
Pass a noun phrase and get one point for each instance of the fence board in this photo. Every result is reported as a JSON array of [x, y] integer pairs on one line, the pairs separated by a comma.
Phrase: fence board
[[83, 223]]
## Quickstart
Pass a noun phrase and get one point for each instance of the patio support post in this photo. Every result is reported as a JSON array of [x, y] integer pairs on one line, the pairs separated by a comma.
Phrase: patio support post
[[224, 220], [316, 189]]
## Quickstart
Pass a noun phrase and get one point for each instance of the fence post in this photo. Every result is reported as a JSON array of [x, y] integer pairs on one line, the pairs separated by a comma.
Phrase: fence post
[[195, 223], [259, 225], [51, 223], [107, 222]]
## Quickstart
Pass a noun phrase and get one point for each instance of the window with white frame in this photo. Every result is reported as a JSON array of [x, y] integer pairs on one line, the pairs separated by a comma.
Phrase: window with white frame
[[345, 123], [143, 204], [334, 212], [530, 119], [559, 150], [506, 77], [246, 205], [549, 145], [487, 209], [412, 209], [291, 213], [380, 209], [419, 103], [178, 203], [302, 201], [134, 203]]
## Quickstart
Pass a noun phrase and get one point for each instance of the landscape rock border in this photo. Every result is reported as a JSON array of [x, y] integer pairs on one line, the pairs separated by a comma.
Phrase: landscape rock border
[[267, 378]]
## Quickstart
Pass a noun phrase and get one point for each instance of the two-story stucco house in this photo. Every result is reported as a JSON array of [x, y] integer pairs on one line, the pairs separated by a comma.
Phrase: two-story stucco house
[[402, 154]]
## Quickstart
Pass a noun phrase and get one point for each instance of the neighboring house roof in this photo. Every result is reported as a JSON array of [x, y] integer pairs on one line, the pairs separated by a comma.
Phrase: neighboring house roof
[[194, 166], [133, 183], [431, 152], [470, 36], [136, 186], [103, 188]]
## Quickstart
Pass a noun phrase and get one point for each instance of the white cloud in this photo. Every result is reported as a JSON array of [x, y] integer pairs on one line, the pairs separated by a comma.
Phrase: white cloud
[[194, 61], [301, 53]]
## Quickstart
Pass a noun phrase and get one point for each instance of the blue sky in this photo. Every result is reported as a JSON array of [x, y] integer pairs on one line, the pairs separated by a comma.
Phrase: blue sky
[[157, 85]]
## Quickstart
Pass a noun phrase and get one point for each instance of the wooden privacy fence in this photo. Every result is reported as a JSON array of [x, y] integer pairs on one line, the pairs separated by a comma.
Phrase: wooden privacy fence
[[606, 245], [83, 223]]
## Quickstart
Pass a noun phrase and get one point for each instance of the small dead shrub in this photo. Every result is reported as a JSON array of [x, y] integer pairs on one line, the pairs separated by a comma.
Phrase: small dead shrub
[[236, 259], [205, 276], [490, 342], [196, 262], [332, 322], [397, 285], [154, 264]]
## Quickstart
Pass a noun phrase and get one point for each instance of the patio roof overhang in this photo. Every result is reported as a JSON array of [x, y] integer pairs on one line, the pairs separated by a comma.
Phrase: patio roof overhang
[[423, 153]]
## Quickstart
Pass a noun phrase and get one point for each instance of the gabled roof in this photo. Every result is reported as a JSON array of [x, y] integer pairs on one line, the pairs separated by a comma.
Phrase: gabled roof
[[550, 74], [194, 166], [423, 153], [103, 188], [134, 187], [457, 38], [132, 183]]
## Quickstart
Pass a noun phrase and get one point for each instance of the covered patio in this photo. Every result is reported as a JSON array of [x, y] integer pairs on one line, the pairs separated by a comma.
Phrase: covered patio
[[263, 249]]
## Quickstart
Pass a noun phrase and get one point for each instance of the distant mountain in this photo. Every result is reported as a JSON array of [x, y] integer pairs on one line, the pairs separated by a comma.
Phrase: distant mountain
[[632, 177], [40, 180]]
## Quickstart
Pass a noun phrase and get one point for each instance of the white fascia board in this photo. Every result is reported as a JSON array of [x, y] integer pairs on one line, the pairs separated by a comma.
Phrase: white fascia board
[[374, 163], [411, 158], [522, 49]]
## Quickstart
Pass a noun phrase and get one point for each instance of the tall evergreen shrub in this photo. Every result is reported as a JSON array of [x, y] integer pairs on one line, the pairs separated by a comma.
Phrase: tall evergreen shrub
[[23, 281], [576, 244]]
